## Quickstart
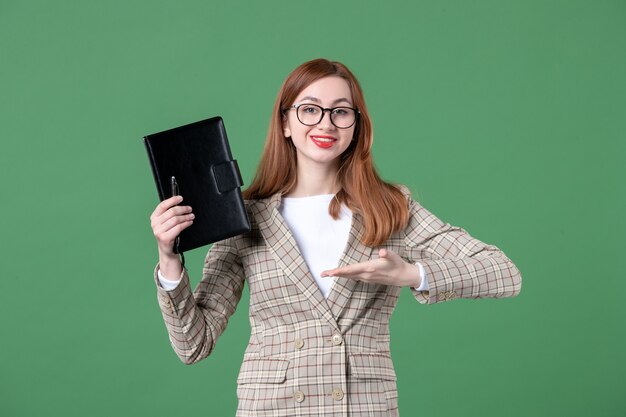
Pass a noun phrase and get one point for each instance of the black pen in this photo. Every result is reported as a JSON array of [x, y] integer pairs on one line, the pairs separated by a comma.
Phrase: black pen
[[175, 191], [174, 186]]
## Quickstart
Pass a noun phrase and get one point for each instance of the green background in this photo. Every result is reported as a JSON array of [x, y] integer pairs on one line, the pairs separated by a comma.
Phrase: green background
[[504, 118]]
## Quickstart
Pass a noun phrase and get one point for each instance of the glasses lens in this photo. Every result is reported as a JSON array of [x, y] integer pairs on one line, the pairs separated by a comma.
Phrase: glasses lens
[[343, 117], [309, 114]]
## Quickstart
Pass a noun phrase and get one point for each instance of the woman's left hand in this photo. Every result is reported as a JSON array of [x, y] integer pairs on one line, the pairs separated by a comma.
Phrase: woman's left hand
[[389, 269]]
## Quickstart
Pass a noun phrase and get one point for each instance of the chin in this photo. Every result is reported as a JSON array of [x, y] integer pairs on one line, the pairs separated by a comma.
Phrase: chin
[[322, 159]]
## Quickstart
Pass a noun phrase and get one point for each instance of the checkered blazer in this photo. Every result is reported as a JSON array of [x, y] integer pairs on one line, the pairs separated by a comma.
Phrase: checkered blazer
[[311, 356]]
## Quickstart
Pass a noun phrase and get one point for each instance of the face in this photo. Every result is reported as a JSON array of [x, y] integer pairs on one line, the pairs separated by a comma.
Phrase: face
[[322, 143]]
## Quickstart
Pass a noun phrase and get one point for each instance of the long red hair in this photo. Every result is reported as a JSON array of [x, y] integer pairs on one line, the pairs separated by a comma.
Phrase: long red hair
[[383, 207]]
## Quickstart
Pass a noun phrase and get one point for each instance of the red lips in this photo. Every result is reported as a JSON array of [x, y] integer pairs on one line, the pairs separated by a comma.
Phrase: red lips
[[323, 144]]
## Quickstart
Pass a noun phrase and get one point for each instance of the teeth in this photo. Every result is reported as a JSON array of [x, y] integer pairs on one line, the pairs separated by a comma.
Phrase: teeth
[[323, 140]]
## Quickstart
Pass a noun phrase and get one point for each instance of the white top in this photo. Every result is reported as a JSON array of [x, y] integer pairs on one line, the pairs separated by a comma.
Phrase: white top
[[320, 238]]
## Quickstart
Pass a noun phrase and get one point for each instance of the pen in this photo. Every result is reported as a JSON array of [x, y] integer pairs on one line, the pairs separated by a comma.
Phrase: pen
[[175, 191]]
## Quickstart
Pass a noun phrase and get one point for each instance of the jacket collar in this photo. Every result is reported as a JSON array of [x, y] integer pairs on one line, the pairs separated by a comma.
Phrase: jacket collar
[[287, 255]]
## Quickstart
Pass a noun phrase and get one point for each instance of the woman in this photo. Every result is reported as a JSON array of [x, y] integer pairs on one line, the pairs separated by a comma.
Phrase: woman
[[331, 247]]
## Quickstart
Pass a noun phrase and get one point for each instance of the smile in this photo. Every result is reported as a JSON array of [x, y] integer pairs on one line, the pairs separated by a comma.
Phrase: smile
[[323, 141]]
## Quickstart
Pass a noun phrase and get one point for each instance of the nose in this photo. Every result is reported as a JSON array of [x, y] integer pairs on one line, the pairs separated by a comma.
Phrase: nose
[[326, 123]]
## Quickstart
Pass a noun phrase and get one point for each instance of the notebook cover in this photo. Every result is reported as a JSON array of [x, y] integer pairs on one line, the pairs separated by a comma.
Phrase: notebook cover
[[198, 155]]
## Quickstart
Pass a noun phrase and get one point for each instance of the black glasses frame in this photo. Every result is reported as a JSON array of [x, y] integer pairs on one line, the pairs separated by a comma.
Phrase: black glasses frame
[[324, 109]]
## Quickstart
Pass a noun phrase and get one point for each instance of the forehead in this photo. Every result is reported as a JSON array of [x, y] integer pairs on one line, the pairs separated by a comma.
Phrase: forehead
[[327, 90]]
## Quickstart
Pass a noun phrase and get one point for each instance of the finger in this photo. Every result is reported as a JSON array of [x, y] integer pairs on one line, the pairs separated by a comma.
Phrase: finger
[[176, 230], [165, 205], [386, 253], [352, 277], [174, 221], [172, 212], [168, 237], [175, 211], [170, 230], [389, 255], [351, 270], [333, 273]]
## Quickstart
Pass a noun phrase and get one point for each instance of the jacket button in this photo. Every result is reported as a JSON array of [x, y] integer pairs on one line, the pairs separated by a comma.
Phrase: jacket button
[[298, 343], [448, 295], [299, 396], [337, 394], [337, 339]]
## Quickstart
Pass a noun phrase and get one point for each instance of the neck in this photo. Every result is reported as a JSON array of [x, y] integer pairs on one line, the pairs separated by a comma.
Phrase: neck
[[315, 179]]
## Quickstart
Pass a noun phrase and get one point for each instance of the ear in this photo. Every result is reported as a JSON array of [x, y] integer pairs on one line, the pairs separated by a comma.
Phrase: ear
[[286, 128]]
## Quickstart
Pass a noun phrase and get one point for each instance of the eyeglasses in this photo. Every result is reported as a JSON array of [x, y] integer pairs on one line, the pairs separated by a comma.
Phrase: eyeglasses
[[312, 114]]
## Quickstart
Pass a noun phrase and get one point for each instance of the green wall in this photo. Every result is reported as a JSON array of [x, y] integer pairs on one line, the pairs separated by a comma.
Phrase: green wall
[[505, 118]]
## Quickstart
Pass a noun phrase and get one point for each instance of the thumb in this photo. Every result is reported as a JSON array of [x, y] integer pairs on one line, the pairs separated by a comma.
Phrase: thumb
[[385, 253]]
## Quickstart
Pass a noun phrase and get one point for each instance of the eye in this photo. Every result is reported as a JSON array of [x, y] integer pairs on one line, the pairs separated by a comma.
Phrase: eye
[[309, 109]]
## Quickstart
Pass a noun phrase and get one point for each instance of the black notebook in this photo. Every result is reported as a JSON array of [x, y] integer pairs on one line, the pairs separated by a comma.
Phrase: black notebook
[[195, 161]]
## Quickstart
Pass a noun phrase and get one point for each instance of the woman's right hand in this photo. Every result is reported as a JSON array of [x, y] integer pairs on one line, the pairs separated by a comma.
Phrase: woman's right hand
[[167, 221]]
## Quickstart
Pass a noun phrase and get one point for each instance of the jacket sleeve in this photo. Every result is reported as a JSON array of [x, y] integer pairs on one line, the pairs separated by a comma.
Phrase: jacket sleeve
[[457, 265], [194, 321]]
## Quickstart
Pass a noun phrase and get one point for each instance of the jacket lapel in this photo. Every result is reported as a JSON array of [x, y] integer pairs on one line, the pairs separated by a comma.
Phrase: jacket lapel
[[343, 288], [287, 255]]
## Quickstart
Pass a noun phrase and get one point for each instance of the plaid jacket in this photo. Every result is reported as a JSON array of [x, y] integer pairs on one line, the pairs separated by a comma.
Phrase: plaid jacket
[[311, 356]]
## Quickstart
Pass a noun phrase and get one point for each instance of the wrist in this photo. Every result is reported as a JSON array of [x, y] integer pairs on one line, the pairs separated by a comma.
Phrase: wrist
[[170, 266], [412, 275]]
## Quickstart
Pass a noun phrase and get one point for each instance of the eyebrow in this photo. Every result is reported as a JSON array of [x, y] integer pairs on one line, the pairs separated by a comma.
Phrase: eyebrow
[[339, 100]]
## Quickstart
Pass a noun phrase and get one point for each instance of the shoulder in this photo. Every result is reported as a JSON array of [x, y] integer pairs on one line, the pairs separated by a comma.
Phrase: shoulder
[[404, 190], [259, 212], [422, 223], [257, 206], [419, 217]]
